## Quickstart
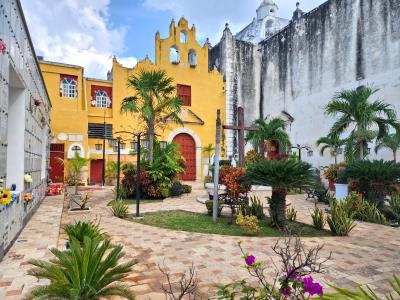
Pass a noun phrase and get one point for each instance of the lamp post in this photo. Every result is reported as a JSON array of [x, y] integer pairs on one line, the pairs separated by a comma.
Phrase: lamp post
[[299, 148], [118, 165]]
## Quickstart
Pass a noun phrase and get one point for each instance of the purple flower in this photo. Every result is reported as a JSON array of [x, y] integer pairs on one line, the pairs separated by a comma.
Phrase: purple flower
[[293, 275], [250, 260], [311, 287], [286, 291]]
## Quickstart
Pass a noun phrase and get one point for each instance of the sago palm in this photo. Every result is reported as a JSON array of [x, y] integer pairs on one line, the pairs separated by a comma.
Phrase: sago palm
[[209, 149], [333, 143], [358, 114], [281, 176], [391, 142], [272, 130], [88, 271], [154, 101]]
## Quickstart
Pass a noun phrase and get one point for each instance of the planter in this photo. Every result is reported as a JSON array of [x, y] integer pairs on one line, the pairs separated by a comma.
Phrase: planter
[[342, 190], [77, 211]]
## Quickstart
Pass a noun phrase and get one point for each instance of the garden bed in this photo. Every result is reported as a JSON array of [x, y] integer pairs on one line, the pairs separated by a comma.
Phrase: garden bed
[[202, 223]]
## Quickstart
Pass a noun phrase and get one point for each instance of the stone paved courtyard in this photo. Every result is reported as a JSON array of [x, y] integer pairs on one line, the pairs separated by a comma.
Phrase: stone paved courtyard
[[369, 256]]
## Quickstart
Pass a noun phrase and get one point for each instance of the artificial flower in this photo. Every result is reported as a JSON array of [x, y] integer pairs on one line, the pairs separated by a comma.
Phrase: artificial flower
[[250, 260], [28, 178], [28, 197], [6, 197]]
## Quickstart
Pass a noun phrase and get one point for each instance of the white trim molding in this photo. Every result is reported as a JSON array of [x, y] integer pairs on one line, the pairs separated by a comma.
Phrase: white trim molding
[[197, 141]]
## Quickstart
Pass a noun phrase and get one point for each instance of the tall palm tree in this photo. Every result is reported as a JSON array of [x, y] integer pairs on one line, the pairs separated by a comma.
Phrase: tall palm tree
[[154, 101], [273, 130], [209, 149], [391, 141], [357, 113], [85, 271], [281, 175], [333, 143]]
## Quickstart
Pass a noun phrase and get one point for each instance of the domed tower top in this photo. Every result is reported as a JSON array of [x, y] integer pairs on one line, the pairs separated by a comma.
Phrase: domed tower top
[[267, 8]]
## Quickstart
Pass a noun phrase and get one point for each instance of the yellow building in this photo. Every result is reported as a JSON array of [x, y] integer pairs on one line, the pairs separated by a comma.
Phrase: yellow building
[[83, 107]]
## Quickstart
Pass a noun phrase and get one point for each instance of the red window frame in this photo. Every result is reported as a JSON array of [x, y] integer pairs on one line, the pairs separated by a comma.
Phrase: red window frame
[[185, 93]]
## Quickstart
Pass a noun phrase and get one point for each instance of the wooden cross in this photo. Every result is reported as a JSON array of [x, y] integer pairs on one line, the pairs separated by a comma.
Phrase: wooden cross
[[241, 130]]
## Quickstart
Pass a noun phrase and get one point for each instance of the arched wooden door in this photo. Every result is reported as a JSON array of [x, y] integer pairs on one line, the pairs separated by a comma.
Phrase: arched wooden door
[[187, 147]]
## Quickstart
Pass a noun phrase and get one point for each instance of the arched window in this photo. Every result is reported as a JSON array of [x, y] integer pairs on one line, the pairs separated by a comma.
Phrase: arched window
[[192, 58], [75, 148], [69, 88], [102, 99], [183, 37], [174, 55]]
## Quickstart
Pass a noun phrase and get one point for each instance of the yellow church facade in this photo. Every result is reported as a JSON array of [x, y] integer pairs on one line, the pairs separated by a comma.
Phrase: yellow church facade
[[85, 108]]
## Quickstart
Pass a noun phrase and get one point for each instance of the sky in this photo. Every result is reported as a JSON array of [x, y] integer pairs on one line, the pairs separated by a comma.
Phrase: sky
[[89, 32]]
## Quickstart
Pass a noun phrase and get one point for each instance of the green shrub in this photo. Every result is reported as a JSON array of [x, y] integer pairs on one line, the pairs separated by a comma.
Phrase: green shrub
[[395, 206], [253, 208], [119, 209], [85, 271], [339, 220], [187, 188], [318, 217], [81, 229], [249, 224], [363, 210], [209, 205], [178, 189], [291, 214], [208, 179]]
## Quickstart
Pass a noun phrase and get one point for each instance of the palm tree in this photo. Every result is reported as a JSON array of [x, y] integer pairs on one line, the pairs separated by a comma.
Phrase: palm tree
[[330, 142], [281, 176], [356, 111], [74, 168], [154, 101], [392, 142], [273, 130], [88, 271], [209, 149]]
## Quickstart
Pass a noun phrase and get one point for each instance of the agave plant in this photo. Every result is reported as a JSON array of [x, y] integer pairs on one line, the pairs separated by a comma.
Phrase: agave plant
[[281, 176], [339, 221], [119, 209], [89, 271], [365, 293], [81, 229]]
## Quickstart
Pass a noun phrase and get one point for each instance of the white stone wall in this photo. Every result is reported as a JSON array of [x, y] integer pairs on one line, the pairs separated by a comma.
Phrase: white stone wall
[[24, 129]]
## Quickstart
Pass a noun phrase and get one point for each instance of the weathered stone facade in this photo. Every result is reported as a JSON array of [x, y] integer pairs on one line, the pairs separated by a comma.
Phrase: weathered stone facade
[[25, 122], [294, 73]]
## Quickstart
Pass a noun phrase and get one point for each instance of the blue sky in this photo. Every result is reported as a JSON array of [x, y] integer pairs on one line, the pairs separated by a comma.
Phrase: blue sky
[[88, 33]]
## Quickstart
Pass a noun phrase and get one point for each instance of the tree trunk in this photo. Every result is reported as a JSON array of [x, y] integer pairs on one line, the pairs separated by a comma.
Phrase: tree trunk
[[279, 201], [395, 155], [151, 143], [362, 151], [336, 159]]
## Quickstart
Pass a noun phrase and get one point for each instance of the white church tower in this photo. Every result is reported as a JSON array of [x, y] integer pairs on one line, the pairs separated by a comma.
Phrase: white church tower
[[266, 24]]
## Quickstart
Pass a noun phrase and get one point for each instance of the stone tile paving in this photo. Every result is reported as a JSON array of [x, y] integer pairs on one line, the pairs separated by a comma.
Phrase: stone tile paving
[[40, 234], [369, 256]]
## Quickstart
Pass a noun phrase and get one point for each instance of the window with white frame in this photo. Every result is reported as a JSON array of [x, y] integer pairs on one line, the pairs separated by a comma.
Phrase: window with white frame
[[69, 88], [102, 99]]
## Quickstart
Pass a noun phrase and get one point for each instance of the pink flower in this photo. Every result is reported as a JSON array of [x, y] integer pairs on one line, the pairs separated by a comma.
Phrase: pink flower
[[250, 260], [286, 291], [311, 287], [3, 47]]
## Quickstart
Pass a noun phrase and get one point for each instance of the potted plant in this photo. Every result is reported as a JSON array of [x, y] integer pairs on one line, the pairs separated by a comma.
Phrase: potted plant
[[341, 184], [331, 174]]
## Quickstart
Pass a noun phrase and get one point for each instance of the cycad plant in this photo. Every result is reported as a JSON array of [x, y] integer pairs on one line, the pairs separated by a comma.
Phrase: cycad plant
[[154, 101], [357, 113], [272, 130], [333, 143], [391, 141], [84, 272], [81, 229], [281, 176]]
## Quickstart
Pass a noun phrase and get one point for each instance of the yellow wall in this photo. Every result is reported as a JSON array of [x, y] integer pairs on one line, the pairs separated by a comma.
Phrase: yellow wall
[[207, 95]]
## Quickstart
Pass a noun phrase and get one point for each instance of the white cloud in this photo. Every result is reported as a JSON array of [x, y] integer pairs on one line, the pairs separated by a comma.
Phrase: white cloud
[[76, 32], [210, 16]]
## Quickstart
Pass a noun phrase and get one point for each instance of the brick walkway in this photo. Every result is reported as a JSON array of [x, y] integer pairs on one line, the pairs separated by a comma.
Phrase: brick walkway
[[369, 256]]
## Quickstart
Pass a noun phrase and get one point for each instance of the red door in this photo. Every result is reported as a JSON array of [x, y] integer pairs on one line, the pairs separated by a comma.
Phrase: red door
[[187, 147], [96, 171], [56, 166], [274, 150]]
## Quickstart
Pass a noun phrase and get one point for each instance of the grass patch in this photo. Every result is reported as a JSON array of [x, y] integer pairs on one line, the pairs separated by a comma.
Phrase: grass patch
[[202, 223]]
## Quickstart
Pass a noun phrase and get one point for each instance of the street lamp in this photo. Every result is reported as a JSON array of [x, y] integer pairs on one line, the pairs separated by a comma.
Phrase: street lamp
[[299, 148]]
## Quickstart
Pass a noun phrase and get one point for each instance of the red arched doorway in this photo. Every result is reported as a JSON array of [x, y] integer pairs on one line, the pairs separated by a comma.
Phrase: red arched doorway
[[187, 147]]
